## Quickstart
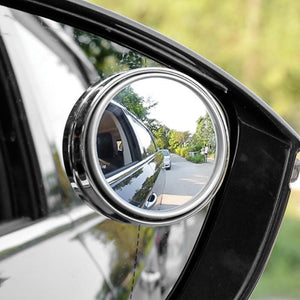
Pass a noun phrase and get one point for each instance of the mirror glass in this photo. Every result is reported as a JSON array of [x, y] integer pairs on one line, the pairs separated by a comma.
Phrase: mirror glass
[[156, 143]]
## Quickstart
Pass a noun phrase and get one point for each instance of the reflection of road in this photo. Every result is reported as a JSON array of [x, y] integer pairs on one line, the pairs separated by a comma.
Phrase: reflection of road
[[185, 180]]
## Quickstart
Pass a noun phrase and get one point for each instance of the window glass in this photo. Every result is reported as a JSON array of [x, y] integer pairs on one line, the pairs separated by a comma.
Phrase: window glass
[[112, 145], [50, 82], [49, 89], [56, 86], [108, 57], [144, 137], [165, 152]]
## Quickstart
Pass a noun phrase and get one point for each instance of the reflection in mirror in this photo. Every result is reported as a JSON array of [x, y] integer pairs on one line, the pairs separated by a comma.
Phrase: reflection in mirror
[[156, 143], [110, 140]]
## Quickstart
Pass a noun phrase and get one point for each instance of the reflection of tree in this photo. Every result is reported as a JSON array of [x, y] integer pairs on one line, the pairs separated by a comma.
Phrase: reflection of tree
[[161, 136], [204, 135], [158, 160], [142, 194], [122, 259], [137, 105], [128, 180], [151, 149], [177, 139], [182, 143], [108, 57]]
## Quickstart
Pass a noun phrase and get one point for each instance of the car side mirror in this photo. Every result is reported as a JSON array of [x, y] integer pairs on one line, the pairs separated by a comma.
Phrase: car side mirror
[[111, 155]]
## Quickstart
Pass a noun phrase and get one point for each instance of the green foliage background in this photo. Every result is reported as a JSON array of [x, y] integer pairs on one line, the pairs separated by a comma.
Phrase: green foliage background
[[258, 42]]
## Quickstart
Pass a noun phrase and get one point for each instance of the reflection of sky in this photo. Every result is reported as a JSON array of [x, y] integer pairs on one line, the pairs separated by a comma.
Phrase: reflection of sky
[[178, 107]]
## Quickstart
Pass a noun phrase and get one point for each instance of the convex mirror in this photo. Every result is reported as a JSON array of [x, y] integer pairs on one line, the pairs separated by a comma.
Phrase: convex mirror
[[148, 146]]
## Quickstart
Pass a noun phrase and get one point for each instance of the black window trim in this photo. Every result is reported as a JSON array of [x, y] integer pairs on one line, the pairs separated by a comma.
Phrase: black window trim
[[36, 198]]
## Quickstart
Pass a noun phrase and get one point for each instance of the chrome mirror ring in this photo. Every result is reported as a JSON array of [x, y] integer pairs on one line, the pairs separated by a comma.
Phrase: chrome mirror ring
[[87, 177]]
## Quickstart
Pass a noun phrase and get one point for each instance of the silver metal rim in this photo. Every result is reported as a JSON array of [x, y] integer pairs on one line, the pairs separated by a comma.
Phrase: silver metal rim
[[90, 158]]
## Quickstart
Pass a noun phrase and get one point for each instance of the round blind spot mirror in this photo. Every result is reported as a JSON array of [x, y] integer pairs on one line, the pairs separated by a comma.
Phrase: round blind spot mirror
[[148, 146]]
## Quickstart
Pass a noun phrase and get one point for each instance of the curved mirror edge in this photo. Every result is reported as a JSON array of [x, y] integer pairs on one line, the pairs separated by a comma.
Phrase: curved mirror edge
[[204, 158]]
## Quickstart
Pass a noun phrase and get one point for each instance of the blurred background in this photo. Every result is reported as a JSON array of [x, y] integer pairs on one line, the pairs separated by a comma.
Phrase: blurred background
[[257, 42]]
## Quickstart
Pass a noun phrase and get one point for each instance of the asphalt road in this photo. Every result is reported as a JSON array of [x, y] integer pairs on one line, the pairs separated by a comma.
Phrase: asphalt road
[[184, 180]]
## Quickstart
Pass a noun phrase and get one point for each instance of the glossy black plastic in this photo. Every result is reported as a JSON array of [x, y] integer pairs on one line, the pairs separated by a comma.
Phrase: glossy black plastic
[[246, 213]]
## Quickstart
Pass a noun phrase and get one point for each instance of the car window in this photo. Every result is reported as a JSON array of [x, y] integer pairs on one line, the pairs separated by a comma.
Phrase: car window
[[145, 139], [50, 80], [112, 144], [56, 84], [165, 152]]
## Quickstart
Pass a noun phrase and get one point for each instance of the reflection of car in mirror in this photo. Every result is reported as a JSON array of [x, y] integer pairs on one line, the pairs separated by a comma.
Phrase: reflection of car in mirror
[[129, 157], [167, 158], [116, 141], [121, 158]]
